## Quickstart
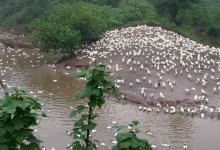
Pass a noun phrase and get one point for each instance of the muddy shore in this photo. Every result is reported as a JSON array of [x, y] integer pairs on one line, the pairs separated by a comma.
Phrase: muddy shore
[[131, 95], [112, 50], [175, 96]]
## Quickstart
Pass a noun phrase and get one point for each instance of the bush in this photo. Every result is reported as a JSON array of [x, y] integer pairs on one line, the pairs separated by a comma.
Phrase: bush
[[17, 116], [68, 26], [213, 32], [22, 12], [128, 140], [52, 37]]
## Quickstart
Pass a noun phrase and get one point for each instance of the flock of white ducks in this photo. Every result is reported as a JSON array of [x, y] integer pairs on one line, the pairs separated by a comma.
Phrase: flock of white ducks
[[155, 65], [159, 65]]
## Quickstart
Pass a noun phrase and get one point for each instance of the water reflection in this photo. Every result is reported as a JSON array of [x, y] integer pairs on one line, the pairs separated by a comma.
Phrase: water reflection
[[32, 73]]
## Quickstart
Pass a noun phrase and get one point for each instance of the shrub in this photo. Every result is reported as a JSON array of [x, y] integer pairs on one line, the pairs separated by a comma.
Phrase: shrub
[[213, 32], [128, 140], [52, 37], [17, 116], [68, 26], [22, 12]]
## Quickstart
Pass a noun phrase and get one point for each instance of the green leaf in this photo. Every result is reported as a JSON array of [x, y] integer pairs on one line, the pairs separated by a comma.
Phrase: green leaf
[[120, 127], [99, 77], [88, 76], [135, 144], [77, 110], [78, 123], [19, 124], [20, 138], [92, 103], [4, 147], [124, 144], [91, 126], [25, 132], [91, 68], [93, 116], [123, 136], [1, 124], [43, 115], [9, 128], [84, 117], [135, 122], [115, 92], [78, 146], [10, 109], [31, 146], [80, 74], [84, 92], [97, 92], [32, 139], [3, 131], [100, 68], [100, 101]]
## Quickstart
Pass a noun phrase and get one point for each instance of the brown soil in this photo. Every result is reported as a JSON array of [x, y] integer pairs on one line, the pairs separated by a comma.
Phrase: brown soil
[[130, 94], [176, 96]]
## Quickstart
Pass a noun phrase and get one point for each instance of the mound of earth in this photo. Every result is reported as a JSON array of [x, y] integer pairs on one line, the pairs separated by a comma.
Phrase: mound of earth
[[152, 65]]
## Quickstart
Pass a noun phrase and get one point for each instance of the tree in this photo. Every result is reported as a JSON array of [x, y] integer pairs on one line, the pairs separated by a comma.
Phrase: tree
[[68, 26], [22, 12], [171, 8]]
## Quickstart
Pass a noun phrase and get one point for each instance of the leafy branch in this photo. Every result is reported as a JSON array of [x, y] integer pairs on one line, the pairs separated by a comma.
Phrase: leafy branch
[[128, 140], [98, 84], [17, 115]]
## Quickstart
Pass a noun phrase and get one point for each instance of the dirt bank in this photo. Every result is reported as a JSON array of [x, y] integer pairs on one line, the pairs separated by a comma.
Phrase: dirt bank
[[149, 64], [131, 94], [152, 65]]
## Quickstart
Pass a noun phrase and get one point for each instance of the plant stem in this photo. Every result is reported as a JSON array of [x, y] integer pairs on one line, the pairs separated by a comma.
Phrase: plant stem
[[88, 131]]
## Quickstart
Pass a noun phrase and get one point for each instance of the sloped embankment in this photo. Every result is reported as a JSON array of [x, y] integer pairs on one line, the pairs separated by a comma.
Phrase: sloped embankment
[[153, 65]]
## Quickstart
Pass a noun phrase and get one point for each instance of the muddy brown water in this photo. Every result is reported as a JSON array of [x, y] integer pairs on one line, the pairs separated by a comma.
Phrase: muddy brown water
[[32, 72]]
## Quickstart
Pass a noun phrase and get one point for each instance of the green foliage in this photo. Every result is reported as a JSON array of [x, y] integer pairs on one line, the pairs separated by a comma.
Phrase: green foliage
[[52, 36], [98, 84], [71, 24], [214, 32], [196, 18], [17, 116], [22, 12], [128, 140], [68, 26], [85, 20], [113, 3], [134, 10]]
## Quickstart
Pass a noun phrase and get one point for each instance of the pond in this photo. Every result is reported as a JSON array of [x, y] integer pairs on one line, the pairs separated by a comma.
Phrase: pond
[[27, 68]]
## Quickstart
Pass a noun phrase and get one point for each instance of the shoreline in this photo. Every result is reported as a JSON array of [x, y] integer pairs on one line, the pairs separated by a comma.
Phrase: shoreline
[[79, 60], [132, 94]]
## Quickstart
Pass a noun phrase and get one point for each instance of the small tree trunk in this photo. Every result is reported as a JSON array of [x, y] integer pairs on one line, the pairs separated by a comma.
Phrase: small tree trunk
[[88, 131]]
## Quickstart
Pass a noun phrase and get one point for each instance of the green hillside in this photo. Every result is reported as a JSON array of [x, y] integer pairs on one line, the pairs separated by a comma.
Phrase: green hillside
[[199, 19]]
